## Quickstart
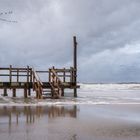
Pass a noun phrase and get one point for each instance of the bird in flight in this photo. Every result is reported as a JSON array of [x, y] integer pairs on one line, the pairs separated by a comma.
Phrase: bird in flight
[[4, 19]]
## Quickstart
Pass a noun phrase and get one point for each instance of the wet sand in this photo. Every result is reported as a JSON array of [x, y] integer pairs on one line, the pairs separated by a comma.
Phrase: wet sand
[[70, 122]]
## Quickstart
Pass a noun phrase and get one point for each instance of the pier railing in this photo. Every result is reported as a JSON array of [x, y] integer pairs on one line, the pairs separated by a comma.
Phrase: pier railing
[[66, 75], [55, 83], [27, 78], [16, 74], [59, 78]]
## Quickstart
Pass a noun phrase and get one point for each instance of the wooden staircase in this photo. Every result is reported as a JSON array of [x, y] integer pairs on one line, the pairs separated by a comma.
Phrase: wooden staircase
[[37, 84], [55, 83]]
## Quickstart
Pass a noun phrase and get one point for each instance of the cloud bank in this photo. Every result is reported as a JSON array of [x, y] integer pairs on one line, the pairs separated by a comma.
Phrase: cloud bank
[[108, 34]]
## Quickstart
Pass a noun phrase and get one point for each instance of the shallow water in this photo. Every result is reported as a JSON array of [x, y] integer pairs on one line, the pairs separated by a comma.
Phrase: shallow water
[[87, 94], [104, 122], [101, 112]]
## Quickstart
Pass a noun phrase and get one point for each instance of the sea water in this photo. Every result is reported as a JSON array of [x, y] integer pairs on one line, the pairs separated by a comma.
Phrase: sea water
[[87, 94]]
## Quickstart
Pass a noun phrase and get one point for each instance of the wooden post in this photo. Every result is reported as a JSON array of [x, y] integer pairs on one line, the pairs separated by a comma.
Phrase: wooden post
[[31, 75], [5, 92], [33, 81], [29, 91], [37, 93], [49, 75], [71, 75], [62, 91], [40, 97], [10, 74], [14, 92], [17, 75], [28, 88], [64, 76], [75, 64], [25, 92], [27, 74]]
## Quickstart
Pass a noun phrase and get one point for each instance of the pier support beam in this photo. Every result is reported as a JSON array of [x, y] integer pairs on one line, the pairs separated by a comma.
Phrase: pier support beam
[[14, 92], [29, 92], [25, 93], [5, 92], [38, 95], [75, 92], [62, 91]]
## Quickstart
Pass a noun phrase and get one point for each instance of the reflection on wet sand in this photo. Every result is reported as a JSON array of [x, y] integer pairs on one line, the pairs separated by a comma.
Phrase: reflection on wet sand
[[30, 114]]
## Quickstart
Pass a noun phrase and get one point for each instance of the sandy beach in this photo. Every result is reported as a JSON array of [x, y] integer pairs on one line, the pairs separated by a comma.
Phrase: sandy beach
[[70, 122]]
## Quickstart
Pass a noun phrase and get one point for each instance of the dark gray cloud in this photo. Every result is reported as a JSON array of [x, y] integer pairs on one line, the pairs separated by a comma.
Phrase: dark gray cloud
[[108, 33]]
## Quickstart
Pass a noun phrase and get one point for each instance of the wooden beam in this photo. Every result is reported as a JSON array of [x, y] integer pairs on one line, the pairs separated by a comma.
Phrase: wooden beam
[[25, 92], [13, 75], [27, 74], [64, 76], [17, 75], [31, 75], [14, 92], [10, 74], [5, 92], [62, 91], [29, 91], [41, 71]]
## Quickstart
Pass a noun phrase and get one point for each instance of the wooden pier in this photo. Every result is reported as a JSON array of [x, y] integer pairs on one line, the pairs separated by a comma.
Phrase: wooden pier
[[28, 79]]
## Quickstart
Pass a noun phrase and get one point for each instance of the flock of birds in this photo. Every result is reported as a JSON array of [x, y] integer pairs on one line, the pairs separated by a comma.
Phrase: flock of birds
[[4, 19]]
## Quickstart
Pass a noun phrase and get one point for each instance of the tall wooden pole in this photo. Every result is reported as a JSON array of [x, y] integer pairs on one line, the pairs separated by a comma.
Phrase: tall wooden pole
[[75, 64]]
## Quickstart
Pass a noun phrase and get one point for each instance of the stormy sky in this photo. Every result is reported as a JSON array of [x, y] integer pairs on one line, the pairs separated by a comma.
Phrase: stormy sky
[[39, 33]]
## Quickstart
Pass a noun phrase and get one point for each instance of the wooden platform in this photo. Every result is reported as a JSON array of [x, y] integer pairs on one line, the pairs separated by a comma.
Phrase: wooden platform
[[21, 85], [58, 80], [28, 78]]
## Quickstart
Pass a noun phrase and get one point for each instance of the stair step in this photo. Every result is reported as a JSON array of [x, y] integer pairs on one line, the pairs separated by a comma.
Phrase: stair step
[[46, 94], [46, 90]]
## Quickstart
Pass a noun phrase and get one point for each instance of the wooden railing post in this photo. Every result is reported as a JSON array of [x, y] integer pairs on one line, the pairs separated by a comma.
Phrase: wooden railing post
[[28, 88], [64, 76], [71, 74], [33, 80], [31, 75], [49, 75], [10, 74], [17, 75], [27, 74]]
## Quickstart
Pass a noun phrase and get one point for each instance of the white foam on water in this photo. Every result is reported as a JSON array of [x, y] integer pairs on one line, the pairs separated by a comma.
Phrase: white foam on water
[[90, 94]]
